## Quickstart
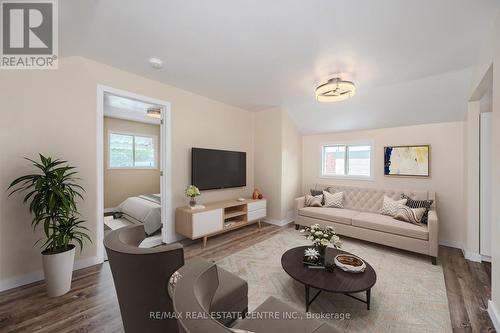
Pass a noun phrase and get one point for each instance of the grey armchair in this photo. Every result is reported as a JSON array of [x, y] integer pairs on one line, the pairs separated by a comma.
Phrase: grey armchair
[[140, 276], [196, 289]]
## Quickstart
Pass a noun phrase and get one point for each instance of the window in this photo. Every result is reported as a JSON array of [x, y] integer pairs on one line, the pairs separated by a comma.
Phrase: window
[[131, 151], [346, 160]]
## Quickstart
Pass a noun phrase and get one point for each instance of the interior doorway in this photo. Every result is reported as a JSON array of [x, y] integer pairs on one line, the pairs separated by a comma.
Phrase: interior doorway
[[133, 164]]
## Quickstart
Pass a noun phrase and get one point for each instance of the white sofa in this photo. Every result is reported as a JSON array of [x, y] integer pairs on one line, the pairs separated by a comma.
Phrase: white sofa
[[360, 219]]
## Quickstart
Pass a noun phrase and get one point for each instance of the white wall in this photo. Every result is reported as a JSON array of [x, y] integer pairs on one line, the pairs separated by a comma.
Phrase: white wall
[[490, 54], [291, 166], [54, 112], [446, 167], [278, 154], [471, 181], [268, 159], [495, 184]]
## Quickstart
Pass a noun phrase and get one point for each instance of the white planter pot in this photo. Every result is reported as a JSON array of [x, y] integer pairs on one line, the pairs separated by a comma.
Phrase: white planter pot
[[58, 271]]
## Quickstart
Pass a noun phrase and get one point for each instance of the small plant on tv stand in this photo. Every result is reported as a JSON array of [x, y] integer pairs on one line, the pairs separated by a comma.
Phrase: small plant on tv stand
[[192, 192]]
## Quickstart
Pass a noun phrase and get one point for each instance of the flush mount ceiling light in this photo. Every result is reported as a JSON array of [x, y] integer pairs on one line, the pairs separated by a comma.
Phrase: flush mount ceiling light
[[335, 90], [154, 112], [156, 63]]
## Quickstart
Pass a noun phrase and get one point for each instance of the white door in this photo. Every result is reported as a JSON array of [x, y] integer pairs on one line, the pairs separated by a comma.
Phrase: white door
[[485, 208]]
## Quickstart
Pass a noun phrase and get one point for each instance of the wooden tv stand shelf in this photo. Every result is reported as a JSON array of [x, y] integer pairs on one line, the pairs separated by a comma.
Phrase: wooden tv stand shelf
[[218, 217]]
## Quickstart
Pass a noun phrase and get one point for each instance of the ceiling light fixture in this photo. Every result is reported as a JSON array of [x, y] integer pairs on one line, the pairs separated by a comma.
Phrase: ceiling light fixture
[[156, 63], [154, 112], [335, 90]]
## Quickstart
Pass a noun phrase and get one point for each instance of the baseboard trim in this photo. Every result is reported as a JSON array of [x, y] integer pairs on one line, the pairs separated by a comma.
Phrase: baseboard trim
[[32, 277], [494, 315], [472, 256], [451, 243], [279, 223], [469, 255], [485, 258]]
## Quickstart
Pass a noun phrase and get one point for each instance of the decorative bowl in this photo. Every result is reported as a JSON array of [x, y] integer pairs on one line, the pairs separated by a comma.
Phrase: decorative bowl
[[349, 263]]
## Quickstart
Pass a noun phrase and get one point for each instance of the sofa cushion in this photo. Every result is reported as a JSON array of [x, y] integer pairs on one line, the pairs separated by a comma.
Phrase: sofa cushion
[[411, 215], [369, 199], [316, 192], [314, 201], [427, 204], [338, 215], [390, 207], [333, 200], [388, 224], [278, 322]]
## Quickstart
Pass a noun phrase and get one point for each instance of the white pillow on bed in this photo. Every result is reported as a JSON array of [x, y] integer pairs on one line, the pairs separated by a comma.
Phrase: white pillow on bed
[[139, 210]]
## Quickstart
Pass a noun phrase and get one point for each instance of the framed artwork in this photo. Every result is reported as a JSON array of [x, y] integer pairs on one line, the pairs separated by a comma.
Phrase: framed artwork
[[407, 161]]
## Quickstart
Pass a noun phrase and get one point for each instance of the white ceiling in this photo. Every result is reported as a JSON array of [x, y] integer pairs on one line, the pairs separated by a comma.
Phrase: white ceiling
[[129, 109], [409, 59]]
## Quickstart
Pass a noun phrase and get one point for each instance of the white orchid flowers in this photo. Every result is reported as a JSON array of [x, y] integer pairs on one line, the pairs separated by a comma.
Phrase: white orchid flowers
[[322, 236]]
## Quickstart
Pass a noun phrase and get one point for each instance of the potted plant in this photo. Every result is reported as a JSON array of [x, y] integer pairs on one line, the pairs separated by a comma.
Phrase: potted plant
[[52, 194], [322, 236], [192, 192]]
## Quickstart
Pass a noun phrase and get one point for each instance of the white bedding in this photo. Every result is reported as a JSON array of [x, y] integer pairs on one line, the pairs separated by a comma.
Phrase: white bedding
[[114, 224], [143, 210]]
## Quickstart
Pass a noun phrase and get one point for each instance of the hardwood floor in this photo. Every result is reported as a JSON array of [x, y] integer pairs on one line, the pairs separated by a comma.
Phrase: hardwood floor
[[91, 306], [468, 286]]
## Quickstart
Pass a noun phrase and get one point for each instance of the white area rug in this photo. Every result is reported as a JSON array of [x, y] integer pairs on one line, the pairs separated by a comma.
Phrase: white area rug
[[409, 296]]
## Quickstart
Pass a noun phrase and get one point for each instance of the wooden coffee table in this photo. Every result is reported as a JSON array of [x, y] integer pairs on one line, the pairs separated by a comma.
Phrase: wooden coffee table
[[336, 282]]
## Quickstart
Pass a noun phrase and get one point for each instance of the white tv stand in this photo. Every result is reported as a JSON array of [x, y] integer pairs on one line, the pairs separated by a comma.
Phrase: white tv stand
[[218, 217]]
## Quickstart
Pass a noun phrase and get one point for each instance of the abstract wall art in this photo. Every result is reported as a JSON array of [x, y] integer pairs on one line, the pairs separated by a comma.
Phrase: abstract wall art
[[409, 161]]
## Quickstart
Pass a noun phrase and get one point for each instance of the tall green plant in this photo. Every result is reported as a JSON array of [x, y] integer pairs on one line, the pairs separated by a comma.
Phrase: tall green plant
[[52, 195]]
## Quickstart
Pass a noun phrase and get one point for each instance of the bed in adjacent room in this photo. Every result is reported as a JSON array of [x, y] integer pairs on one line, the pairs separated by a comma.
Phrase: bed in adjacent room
[[143, 209]]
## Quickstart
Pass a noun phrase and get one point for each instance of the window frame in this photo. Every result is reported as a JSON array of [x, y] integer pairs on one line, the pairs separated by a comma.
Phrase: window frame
[[155, 150], [346, 175]]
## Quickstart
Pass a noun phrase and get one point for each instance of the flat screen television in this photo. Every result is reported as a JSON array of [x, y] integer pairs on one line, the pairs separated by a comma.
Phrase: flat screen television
[[216, 169]]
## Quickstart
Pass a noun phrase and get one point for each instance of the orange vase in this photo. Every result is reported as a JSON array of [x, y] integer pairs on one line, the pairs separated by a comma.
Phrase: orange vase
[[255, 194]]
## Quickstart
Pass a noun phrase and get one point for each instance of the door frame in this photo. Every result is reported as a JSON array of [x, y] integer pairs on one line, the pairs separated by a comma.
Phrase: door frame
[[168, 234]]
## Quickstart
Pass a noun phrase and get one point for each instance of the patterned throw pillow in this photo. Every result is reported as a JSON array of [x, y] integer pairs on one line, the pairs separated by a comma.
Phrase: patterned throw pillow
[[174, 278], [390, 207], [333, 200], [314, 201], [419, 204], [316, 192], [412, 215], [330, 189]]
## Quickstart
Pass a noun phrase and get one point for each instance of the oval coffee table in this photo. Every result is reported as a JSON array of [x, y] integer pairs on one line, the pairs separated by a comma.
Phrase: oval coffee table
[[336, 282]]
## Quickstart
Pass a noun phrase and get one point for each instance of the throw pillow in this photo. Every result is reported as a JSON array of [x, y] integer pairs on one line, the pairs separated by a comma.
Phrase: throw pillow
[[390, 207], [314, 201], [333, 200], [316, 192], [330, 189], [419, 204], [412, 215], [174, 278]]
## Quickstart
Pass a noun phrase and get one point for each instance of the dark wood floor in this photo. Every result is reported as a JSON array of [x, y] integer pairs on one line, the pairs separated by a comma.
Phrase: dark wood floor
[[468, 286], [91, 305]]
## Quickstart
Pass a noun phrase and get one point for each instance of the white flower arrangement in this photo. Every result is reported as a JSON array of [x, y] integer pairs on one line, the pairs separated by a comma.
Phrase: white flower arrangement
[[322, 236], [192, 191]]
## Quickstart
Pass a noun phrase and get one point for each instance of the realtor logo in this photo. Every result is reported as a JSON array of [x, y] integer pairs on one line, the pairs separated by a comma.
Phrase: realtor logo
[[29, 34]]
